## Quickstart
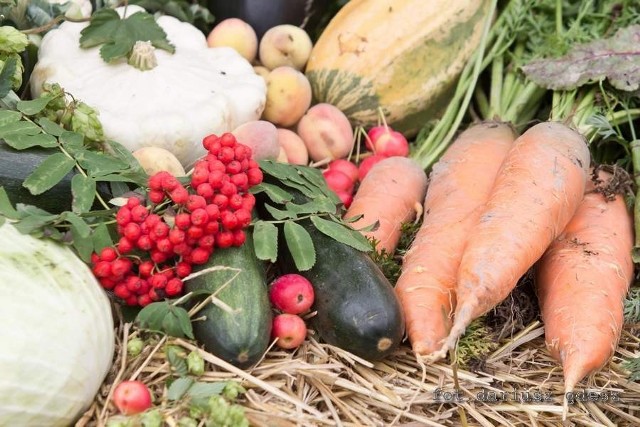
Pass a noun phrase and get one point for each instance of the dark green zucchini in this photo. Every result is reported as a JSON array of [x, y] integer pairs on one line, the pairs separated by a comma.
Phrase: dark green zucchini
[[240, 337], [357, 308], [17, 165]]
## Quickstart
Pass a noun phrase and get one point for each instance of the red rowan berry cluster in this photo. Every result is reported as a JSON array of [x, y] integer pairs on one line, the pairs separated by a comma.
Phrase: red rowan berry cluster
[[180, 225]]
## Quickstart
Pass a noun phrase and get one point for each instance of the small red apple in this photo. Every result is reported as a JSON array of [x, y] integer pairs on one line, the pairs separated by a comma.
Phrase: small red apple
[[346, 167], [337, 181], [289, 329], [372, 135], [291, 293], [345, 197], [132, 397], [367, 164]]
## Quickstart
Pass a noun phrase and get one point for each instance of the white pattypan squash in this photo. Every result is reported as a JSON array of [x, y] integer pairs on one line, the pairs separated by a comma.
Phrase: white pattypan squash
[[57, 336], [78, 9], [187, 95]]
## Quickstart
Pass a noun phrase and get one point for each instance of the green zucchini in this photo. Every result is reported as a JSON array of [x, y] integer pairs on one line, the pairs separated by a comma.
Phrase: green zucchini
[[357, 308], [240, 337]]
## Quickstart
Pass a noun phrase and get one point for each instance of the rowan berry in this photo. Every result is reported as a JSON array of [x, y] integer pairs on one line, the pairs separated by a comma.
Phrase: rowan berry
[[144, 242], [195, 232], [241, 181], [132, 231], [174, 287], [123, 216], [139, 213], [206, 241], [144, 300], [156, 196], [176, 236], [205, 190], [195, 202], [243, 217], [215, 179], [221, 200], [170, 182], [226, 154], [239, 237], [199, 216], [121, 267], [229, 220], [212, 227], [228, 189], [228, 139], [145, 268], [108, 254], [213, 211], [182, 220], [183, 269], [124, 245], [102, 269], [199, 256], [200, 174], [121, 291], [165, 245], [254, 175], [158, 281], [179, 195], [224, 239]]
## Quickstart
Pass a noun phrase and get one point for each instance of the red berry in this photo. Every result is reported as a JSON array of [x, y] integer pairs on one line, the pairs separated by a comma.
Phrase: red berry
[[123, 216], [108, 254], [213, 212], [195, 202], [174, 287], [248, 202], [216, 165], [132, 202], [199, 256], [241, 181], [239, 237], [228, 189], [181, 248], [154, 295], [120, 267], [125, 245], [133, 283], [155, 181], [183, 269], [156, 196], [144, 242], [176, 236], [205, 190], [121, 291], [94, 258], [170, 182], [161, 230], [224, 239], [207, 140], [255, 176], [102, 269], [152, 220], [212, 227], [240, 152], [158, 281], [179, 195], [132, 231], [234, 167], [206, 241], [243, 217], [226, 154], [235, 201], [159, 257], [229, 220], [144, 300], [228, 139], [107, 282], [221, 200], [195, 232], [182, 220], [145, 268], [139, 213], [164, 245], [215, 179], [200, 175]]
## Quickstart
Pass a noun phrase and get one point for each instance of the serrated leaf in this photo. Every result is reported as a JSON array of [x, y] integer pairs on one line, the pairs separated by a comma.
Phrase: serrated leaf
[[308, 192], [321, 204], [101, 237], [34, 106], [83, 191], [6, 208], [204, 390], [21, 141], [176, 360], [118, 36], [22, 127], [178, 323], [99, 165], [616, 59], [30, 224], [72, 141], [6, 75], [50, 127], [300, 245], [342, 233], [275, 193], [152, 315], [79, 228], [265, 241], [8, 116], [279, 214], [48, 173], [179, 387]]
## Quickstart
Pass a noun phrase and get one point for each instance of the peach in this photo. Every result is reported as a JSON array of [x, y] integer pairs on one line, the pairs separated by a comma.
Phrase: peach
[[261, 136], [327, 132], [285, 44], [288, 96], [293, 146], [237, 34]]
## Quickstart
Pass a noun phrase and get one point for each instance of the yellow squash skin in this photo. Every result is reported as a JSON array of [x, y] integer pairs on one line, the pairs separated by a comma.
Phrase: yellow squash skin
[[403, 56]]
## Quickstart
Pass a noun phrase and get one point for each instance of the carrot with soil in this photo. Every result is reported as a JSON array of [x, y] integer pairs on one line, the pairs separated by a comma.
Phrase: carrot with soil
[[537, 191], [589, 262], [459, 186], [392, 194]]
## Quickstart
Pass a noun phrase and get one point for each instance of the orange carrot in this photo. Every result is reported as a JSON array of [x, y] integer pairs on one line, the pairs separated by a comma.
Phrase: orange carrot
[[459, 186], [537, 191], [392, 194], [581, 282]]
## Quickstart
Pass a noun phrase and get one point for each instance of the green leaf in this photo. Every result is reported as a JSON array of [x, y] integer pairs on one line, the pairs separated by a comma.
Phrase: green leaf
[[83, 190], [265, 241], [342, 233], [48, 173], [300, 245], [6, 208], [176, 357], [152, 315], [78, 226], [21, 141], [99, 165], [118, 36], [101, 237], [178, 323], [8, 116], [204, 390], [275, 193], [30, 224], [50, 127], [6, 75], [279, 214], [179, 387], [321, 204], [72, 141], [34, 106]]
